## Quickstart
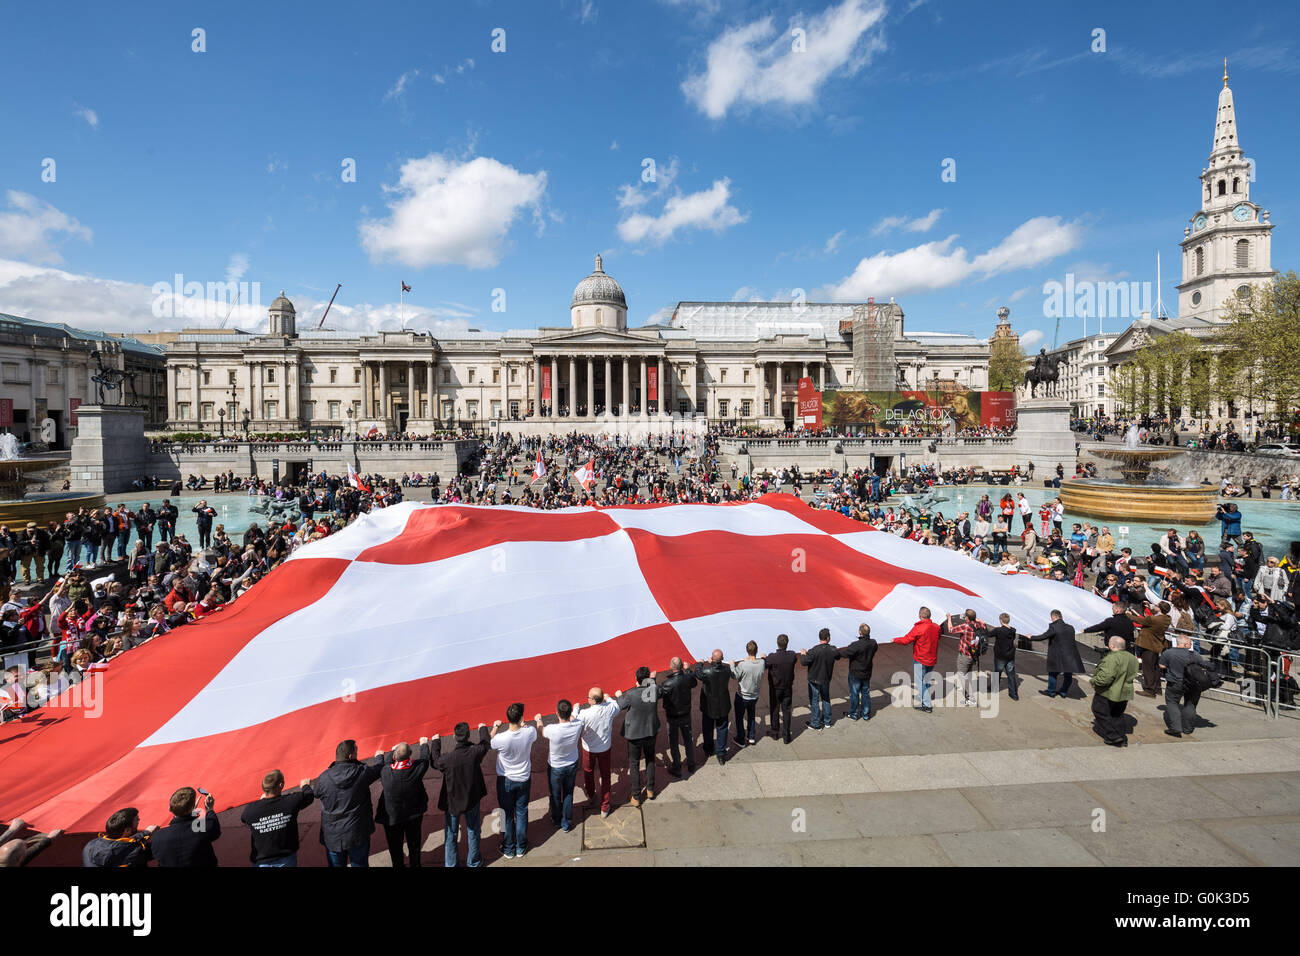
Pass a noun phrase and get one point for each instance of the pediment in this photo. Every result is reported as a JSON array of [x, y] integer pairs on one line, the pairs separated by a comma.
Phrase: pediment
[[596, 337]]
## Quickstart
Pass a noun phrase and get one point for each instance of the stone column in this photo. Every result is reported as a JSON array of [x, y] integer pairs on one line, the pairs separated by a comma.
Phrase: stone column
[[505, 389], [573, 386], [537, 386], [645, 404], [412, 410], [591, 387], [555, 391], [693, 388], [759, 383], [254, 373], [431, 390], [607, 397], [383, 391], [174, 377], [821, 376], [659, 400], [627, 378]]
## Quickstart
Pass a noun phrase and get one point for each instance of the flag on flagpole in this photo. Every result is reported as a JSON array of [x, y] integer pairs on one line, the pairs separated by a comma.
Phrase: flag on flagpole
[[539, 469], [355, 480], [586, 475], [405, 287]]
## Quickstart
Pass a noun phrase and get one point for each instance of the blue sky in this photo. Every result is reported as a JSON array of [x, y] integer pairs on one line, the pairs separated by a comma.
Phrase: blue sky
[[777, 171]]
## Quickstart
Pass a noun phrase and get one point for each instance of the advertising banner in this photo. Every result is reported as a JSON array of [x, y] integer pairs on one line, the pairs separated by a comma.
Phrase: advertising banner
[[810, 405], [953, 409], [652, 383], [546, 383], [6, 413], [73, 405]]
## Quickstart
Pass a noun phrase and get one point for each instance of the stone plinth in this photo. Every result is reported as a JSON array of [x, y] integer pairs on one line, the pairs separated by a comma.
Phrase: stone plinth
[[1043, 434], [110, 450]]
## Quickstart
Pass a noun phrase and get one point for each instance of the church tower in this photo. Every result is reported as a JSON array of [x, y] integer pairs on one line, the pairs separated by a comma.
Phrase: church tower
[[1226, 243]]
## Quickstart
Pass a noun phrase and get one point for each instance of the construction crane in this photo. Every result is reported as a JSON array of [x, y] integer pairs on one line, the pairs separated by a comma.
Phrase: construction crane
[[321, 323], [232, 309]]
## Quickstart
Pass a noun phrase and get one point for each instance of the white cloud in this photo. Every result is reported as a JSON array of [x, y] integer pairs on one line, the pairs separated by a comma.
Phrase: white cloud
[[707, 209], [833, 242], [587, 11], [91, 302], [446, 212], [940, 264], [919, 224], [458, 69], [237, 266], [613, 145], [757, 64], [1020, 293], [1031, 339], [635, 195], [30, 227], [398, 88], [275, 164], [747, 293], [89, 115]]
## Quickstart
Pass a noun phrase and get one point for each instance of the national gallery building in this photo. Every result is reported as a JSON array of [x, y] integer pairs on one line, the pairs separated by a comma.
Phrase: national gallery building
[[733, 362]]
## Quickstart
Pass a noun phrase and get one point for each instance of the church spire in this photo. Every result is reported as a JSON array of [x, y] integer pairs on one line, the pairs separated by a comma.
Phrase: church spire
[[1225, 123], [1225, 71]]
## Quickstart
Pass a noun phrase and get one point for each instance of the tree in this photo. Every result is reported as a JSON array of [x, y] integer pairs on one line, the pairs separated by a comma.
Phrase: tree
[[1007, 364], [1262, 341]]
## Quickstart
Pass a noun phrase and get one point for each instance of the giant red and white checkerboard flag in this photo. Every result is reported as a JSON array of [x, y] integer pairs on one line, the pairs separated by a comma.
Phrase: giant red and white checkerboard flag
[[419, 616]]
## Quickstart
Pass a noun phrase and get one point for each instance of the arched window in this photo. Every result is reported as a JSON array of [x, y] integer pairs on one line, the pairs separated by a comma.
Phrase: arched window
[[1236, 184], [1200, 260], [600, 316], [1223, 187], [1243, 254]]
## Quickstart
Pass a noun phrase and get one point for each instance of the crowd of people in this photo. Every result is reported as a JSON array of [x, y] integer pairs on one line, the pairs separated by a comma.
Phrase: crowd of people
[[112, 595]]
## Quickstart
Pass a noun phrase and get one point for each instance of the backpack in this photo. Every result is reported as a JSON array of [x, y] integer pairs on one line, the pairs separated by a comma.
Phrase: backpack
[[1200, 678], [981, 642]]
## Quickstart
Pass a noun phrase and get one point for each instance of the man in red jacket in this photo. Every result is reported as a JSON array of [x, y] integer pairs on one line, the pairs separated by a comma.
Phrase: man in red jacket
[[924, 638]]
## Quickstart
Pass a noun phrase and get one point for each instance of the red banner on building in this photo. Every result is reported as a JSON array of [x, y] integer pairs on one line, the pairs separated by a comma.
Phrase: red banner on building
[[810, 405], [73, 405], [6, 413], [546, 383], [652, 382]]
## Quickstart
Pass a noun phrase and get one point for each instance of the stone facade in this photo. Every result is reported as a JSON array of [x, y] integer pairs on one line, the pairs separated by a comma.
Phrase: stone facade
[[735, 362]]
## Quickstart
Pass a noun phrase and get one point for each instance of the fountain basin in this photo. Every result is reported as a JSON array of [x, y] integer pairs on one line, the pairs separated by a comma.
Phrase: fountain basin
[[1174, 505], [47, 506]]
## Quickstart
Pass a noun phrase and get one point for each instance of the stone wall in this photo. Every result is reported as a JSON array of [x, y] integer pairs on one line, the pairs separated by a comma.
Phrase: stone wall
[[387, 458]]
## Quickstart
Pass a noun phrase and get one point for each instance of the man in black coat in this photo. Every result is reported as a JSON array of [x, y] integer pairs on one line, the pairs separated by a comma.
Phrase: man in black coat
[[463, 787], [404, 800], [861, 654], [820, 662], [187, 840], [676, 692], [780, 686], [1118, 624], [347, 818], [715, 703], [1004, 653], [1063, 659]]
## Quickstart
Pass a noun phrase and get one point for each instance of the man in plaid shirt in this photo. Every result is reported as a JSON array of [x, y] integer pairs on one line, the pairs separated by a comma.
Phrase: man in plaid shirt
[[969, 630]]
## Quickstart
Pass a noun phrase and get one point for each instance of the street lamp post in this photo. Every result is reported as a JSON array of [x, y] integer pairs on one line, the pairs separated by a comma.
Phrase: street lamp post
[[351, 433]]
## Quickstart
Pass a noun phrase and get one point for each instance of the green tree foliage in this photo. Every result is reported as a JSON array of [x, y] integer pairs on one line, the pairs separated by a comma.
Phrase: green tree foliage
[[1007, 365]]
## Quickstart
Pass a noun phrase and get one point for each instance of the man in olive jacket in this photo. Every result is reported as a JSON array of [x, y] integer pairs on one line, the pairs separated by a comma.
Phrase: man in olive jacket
[[347, 817], [1112, 685]]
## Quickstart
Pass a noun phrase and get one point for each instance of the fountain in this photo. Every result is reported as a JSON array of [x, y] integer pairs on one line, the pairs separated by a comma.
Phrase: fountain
[[18, 504], [1143, 492]]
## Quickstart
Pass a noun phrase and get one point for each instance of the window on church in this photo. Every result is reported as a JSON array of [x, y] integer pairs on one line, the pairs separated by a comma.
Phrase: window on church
[[1223, 187], [1236, 184], [1243, 254], [1200, 260]]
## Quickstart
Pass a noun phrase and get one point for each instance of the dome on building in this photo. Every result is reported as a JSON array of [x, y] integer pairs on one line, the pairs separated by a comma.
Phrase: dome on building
[[599, 289], [281, 304]]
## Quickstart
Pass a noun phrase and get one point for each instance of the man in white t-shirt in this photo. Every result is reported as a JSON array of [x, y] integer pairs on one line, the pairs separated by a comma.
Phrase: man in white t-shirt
[[514, 748], [1026, 510], [562, 763], [597, 737]]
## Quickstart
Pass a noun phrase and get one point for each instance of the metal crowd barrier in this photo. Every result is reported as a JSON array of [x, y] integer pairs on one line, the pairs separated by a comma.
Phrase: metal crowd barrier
[[1286, 700]]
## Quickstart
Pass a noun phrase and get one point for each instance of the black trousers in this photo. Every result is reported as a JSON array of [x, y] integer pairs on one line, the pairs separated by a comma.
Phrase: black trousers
[[636, 749], [781, 703], [681, 726], [1107, 718], [407, 832], [1180, 707]]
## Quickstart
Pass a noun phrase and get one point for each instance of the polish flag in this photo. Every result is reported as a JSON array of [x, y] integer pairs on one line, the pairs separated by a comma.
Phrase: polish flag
[[539, 469], [418, 616], [355, 480], [586, 475]]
